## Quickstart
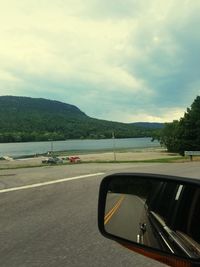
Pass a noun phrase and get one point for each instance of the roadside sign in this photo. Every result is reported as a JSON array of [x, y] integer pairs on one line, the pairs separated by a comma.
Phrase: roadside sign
[[192, 153]]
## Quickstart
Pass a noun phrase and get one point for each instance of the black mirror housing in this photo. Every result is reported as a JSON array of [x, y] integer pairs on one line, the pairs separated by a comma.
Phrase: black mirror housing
[[152, 214]]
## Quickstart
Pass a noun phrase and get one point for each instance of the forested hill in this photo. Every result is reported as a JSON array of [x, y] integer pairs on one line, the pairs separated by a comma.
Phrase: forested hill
[[24, 119], [12, 104], [150, 125]]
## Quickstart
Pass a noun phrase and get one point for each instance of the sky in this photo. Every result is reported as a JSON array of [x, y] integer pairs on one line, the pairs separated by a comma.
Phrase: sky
[[120, 60]]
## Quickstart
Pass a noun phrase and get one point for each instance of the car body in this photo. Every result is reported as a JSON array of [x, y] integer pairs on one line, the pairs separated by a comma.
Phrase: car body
[[52, 160], [74, 159], [165, 220]]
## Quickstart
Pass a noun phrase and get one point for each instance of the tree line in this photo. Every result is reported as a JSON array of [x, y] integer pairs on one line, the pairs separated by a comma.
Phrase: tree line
[[184, 134], [75, 130]]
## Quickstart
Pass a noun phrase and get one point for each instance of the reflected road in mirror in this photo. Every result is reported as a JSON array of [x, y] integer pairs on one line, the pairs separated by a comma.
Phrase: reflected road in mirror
[[121, 219], [159, 214]]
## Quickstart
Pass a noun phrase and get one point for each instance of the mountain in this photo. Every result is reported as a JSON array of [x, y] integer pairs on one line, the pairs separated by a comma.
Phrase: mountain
[[24, 119], [149, 125], [12, 104]]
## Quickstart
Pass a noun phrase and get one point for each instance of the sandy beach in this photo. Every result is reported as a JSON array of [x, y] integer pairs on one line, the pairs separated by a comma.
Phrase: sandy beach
[[137, 155], [146, 154]]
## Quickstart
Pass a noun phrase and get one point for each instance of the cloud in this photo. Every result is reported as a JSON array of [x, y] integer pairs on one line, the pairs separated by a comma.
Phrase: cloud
[[123, 60], [142, 116], [167, 58]]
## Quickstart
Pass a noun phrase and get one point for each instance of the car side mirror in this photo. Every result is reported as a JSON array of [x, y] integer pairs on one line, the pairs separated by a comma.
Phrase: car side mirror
[[156, 215]]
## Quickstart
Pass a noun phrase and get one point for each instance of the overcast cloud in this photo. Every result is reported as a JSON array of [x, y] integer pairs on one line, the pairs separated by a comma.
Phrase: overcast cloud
[[122, 60]]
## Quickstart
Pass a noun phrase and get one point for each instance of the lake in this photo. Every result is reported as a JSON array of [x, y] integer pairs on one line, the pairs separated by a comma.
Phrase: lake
[[32, 148]]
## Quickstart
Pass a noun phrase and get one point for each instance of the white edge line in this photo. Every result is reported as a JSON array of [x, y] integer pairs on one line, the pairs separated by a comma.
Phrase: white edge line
[[50, 182]]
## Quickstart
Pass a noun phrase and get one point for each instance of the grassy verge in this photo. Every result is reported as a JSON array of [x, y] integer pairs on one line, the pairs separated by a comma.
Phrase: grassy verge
[[161, 160]]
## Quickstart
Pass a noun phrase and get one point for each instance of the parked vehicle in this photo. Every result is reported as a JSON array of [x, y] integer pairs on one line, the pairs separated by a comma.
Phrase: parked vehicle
[[52, 160], [74, 159]]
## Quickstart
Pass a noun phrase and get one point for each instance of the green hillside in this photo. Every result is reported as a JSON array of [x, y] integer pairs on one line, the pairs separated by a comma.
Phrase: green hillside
[[24, 119], [150, 125]]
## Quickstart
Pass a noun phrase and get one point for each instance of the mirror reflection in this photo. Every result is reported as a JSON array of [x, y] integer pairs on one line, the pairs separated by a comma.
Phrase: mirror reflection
[[155, 213]]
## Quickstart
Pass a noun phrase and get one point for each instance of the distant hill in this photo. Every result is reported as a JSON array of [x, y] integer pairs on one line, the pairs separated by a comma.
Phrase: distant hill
[[12, 104], [24, 119], [150, 125]]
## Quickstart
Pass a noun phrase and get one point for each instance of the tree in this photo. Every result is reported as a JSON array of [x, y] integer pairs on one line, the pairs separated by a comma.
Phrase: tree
[[183, 135]]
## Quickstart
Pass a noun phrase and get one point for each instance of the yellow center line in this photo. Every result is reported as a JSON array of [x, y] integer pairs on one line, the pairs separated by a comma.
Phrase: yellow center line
[[109, 215]]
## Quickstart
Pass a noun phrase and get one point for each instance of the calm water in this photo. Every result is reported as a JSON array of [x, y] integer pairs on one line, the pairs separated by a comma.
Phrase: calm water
[[31, 148]]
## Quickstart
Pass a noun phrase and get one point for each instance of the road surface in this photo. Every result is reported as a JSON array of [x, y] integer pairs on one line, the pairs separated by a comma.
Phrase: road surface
[[55, 222], [123, 215]]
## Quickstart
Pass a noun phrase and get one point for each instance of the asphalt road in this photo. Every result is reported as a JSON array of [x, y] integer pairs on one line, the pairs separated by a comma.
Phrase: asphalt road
[[125, 219], [56, 224]]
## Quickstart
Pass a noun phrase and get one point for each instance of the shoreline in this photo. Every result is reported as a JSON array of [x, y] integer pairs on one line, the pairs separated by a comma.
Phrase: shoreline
[[118, 156], [68, 147], [84, 152], [64, 153]]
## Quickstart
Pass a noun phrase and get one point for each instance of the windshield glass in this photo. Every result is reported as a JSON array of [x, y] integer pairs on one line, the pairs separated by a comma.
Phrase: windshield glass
[[89, 88]]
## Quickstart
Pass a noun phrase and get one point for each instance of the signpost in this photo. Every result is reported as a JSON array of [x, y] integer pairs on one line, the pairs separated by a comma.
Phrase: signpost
[[113, 137], [51, 140], [192, 153]]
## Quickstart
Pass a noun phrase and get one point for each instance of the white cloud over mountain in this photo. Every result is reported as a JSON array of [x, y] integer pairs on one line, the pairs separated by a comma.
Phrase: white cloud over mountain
[[121, 60]]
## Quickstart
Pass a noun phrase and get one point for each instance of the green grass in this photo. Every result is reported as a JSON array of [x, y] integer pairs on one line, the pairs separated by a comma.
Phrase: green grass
[[159, 160]]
